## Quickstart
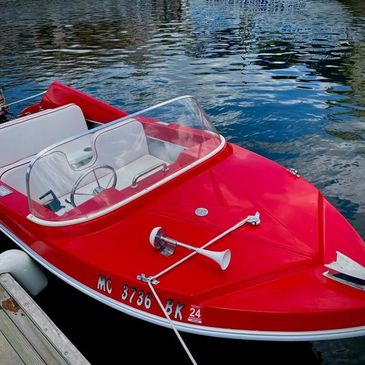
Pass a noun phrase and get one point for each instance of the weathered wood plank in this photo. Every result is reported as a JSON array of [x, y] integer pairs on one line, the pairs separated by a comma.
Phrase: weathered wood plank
[[19, 343], [7, 354], [29, 330], [50, 343]]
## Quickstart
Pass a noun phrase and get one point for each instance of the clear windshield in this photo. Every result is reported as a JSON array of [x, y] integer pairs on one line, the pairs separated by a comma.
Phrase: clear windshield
[[90, 175]]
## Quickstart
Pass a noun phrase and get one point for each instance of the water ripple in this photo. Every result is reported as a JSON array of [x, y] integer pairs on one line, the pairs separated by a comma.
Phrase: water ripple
[[285, 78]]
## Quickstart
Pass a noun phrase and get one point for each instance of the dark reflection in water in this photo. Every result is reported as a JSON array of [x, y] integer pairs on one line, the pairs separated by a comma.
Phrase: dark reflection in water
[[285, 78]]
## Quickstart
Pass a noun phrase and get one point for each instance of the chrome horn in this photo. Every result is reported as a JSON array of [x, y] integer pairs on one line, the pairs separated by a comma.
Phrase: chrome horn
[[166, 246]]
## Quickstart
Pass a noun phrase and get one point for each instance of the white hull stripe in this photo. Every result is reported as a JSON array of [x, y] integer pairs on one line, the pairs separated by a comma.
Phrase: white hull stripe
[[196, 329]]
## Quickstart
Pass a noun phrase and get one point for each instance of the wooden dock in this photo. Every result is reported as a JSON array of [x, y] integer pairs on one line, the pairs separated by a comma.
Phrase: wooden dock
[[27, 335]]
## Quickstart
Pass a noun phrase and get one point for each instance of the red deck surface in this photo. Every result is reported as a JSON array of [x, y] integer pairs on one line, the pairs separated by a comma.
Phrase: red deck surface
[[275, 279]]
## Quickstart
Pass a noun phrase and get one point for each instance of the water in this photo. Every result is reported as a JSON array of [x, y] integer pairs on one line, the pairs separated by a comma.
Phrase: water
[[284, 78]]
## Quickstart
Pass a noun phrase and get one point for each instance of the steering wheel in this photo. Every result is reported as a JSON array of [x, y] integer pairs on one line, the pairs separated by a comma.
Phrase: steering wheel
[[99, 188]]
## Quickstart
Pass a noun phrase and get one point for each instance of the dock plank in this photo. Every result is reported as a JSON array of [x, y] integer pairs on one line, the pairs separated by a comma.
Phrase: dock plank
[[18, 341], [8, 355], [37, 333]]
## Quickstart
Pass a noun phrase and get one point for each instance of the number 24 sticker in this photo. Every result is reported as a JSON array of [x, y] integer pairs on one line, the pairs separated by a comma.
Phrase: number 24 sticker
[[195, 314]]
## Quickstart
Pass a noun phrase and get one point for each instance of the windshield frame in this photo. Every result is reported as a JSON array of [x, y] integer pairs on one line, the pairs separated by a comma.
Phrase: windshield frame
[[109, 209]]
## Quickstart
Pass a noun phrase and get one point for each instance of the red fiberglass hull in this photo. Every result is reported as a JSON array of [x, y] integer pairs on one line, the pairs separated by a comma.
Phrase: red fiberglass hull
[[274, 287]]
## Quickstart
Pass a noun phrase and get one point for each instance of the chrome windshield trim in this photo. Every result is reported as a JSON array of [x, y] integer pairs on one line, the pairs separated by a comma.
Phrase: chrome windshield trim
[[100, 213], [118, 122]]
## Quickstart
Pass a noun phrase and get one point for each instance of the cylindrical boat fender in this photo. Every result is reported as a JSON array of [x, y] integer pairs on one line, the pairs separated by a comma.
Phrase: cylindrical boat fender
[[24, 270]]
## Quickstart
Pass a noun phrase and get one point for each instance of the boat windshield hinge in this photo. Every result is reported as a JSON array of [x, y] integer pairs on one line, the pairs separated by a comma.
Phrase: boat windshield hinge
[[146, 279], [294, 172]]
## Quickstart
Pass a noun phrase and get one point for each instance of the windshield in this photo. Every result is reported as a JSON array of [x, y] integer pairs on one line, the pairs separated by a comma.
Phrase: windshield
[[94, 173]]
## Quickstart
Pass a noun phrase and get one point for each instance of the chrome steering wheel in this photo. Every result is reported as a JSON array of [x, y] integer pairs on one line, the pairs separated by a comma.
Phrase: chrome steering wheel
[[101, 186]]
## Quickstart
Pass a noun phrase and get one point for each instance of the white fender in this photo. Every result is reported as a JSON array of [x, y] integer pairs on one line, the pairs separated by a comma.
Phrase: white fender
[[24, 270]]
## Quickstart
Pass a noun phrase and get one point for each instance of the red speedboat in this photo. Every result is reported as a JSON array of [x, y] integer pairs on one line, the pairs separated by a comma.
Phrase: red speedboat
[[123, 207]]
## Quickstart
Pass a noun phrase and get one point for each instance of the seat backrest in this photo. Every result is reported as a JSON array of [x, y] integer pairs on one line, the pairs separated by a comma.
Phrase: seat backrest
[[119, 145], [26, 136]]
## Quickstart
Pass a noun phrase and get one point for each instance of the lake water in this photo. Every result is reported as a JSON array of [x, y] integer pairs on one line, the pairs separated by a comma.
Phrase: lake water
[[284, 78]]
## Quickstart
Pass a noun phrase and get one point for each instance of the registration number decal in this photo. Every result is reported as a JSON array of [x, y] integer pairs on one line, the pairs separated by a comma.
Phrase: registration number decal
[[195, 314], [133, 295], [137, 296]]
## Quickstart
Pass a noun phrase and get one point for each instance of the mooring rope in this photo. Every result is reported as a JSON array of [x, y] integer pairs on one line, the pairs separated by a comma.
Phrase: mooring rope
[[252, 219], [151, 280], [25, 99], [183, 344]]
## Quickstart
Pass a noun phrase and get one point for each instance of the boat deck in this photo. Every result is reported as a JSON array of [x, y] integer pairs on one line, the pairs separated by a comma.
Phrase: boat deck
[[27, 335]]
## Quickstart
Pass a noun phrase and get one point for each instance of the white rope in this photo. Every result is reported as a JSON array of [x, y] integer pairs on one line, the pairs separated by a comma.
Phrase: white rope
[[183, 344], [253, 219], [21, 100]]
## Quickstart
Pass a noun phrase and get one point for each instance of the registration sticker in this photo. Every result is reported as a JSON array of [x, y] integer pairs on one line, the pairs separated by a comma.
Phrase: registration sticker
[[195, 314]]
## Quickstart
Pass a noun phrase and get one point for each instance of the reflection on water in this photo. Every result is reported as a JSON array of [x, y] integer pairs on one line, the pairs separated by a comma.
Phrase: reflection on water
[[285, 78]]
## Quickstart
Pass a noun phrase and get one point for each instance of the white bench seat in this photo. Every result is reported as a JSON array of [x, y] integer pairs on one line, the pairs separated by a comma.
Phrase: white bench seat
[[123, 147], [23, 138]]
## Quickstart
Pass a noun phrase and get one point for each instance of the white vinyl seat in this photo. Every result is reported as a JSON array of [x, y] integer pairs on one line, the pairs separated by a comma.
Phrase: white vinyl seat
[[122, 147], [24, 137], [125, 148]]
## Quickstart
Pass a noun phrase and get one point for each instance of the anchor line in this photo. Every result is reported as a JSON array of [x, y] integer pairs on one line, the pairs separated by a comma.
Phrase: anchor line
[[182, 342]]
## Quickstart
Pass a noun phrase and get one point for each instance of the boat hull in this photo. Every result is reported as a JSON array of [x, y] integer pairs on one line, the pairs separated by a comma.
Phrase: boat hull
[[229, 333], [274, 288]]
